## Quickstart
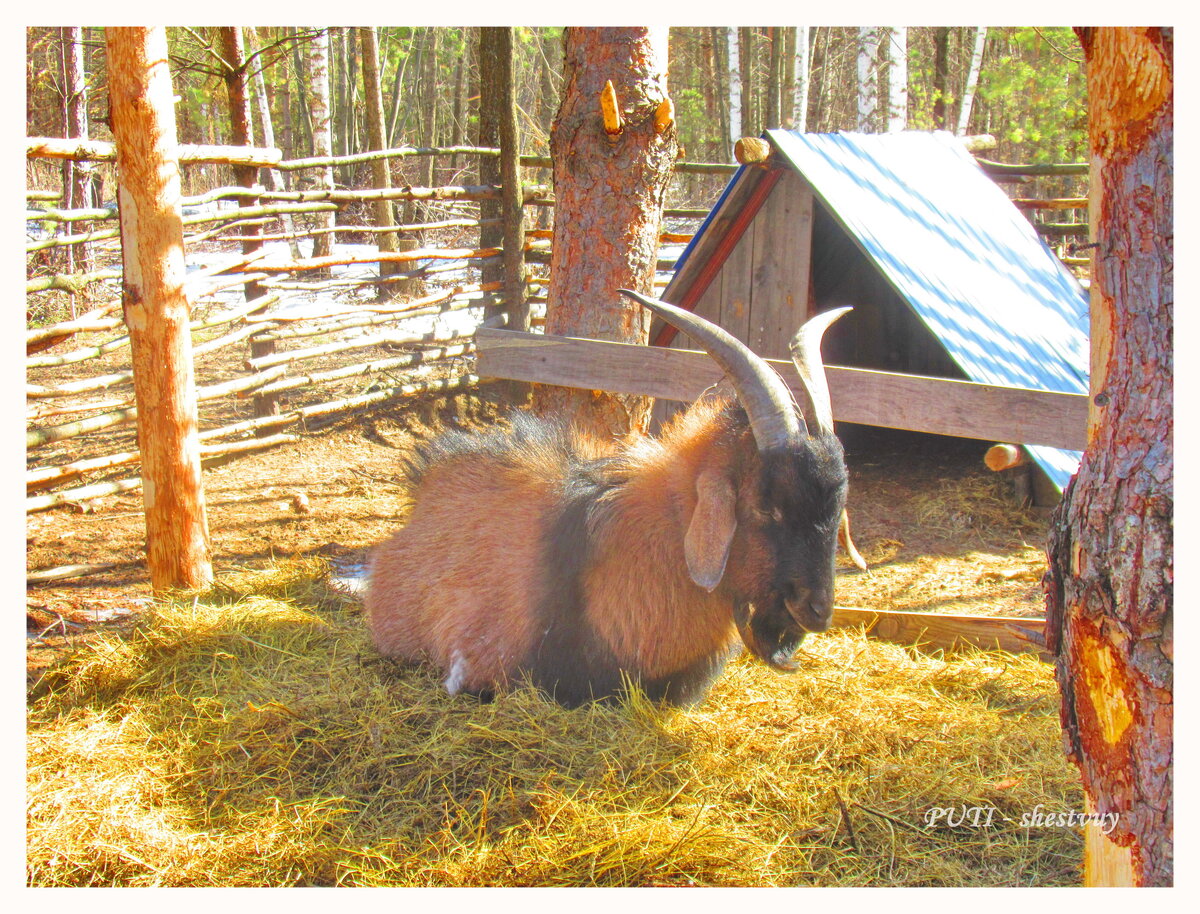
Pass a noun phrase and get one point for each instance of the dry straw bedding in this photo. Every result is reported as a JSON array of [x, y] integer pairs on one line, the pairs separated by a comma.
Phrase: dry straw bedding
[[251, 736]]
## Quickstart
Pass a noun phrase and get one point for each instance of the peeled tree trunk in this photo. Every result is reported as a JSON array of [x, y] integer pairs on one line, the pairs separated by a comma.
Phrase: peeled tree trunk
[[156, 308], [610, 179], [1110, 583]]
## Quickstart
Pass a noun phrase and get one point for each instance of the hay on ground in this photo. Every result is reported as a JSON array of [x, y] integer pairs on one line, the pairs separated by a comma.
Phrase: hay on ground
[[253, 737]]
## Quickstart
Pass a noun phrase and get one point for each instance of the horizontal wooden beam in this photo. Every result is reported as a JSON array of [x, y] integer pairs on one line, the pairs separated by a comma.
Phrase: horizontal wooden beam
[[40, 147], [1014, 634], [944, 407]]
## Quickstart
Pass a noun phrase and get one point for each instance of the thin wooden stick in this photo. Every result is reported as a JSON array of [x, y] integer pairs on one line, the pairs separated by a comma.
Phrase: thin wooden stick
[[283, 358], [405, 361], [65, 572]]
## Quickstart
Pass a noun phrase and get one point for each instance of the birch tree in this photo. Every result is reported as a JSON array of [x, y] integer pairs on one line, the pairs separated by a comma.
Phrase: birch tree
[[868, 78], [897, 58], [735, 86], [800, 74], [322, 133], [964, 112]]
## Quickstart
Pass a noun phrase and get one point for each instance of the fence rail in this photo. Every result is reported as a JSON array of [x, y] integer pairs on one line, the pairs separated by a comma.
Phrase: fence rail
[[329, 361]]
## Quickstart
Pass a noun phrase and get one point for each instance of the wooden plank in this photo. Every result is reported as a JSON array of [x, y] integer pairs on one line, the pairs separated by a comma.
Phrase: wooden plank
[[945, 407], [780, 274], [737, 278], [713, 246], [947, 631]]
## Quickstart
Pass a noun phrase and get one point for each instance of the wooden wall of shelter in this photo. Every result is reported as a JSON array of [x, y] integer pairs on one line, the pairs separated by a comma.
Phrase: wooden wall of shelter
[[772, 257]]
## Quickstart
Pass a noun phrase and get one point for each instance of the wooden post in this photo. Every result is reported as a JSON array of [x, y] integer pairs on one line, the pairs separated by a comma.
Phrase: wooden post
[[156, 308]]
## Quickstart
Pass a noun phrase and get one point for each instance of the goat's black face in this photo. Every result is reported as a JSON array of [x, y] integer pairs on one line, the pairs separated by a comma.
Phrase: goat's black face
[[802, 491]]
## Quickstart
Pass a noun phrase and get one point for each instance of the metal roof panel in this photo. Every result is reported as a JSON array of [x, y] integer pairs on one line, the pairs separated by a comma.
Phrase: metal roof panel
[[960, 253]]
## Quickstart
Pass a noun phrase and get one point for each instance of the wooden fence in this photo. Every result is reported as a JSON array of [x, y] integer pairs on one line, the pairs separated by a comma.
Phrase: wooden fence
[[330, 358], [328, 335]]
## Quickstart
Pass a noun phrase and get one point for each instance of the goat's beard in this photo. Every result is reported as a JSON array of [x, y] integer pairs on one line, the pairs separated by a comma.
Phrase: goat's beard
[[772, 637]]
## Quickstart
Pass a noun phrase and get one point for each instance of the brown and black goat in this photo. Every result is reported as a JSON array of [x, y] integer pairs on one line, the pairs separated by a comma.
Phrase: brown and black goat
[[537, 551]]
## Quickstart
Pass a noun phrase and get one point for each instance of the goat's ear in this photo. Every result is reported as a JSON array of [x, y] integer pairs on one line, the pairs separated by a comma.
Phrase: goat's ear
[[710, 530]]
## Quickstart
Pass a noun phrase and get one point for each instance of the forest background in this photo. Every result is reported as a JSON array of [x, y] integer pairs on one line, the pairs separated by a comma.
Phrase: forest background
[[1022, 85]]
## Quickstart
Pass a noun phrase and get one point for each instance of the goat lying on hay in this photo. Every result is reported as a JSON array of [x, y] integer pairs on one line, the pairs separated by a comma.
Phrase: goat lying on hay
[[541, 551]]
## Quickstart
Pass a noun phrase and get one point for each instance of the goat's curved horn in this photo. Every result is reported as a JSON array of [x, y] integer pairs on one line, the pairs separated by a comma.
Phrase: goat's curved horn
[[764, 396], [806, 353]]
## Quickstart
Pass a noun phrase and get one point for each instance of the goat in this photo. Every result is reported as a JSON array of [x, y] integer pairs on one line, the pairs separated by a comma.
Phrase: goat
[[538, 551]]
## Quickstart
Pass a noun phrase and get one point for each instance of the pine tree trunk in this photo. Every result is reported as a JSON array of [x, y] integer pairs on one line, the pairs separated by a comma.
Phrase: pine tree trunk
[[381, 173], [272, 178], [77, 177], [941, 76], [1110, 583], [156, 308], [609, 190], [303, 85], [232, 49], [493, 62], [430, 122], [746, 63], [775, 71]]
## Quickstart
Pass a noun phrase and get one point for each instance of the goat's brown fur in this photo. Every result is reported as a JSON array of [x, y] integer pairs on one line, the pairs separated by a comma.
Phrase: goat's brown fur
[[543, 551], [464, 595]]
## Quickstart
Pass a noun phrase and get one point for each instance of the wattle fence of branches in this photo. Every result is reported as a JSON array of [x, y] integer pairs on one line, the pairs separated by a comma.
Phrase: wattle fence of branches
[[282, 340]]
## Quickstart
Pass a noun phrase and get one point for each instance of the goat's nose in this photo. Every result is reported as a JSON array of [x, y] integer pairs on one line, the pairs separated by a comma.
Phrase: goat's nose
[[812, 611]]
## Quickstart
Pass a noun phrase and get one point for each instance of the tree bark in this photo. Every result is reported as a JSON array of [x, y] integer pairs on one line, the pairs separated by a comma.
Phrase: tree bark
[[1109, 587], [609, 191], [156, 308], [493, 63], [802, 64], [512, 200], [233, 51], [320, 117], [964, 111], [734, 69], [941, 76], [272, 178], [771, 119], [897, 58], [747, 58], [430, 123], [868, 79], [389, 242], [77, 178]]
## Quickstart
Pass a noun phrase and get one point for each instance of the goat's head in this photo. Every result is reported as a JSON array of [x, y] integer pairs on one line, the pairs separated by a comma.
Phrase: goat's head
[[767, 535]]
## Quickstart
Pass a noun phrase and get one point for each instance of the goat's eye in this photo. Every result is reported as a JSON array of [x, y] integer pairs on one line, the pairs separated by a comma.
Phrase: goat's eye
[[777, 514]]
